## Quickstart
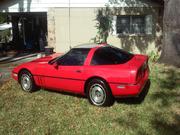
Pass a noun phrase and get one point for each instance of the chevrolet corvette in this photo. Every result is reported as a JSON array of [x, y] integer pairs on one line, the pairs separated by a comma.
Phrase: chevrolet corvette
[[101, 72]]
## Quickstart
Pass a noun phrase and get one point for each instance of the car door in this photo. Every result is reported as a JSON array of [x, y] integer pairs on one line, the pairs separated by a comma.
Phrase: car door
[[67, 73]]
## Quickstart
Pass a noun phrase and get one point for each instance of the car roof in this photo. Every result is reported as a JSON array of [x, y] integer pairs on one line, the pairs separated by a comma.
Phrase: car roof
[[89, 46]]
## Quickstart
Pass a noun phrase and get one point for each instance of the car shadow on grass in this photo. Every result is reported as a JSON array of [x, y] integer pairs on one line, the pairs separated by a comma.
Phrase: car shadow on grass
[[136, 100], [65, 93]]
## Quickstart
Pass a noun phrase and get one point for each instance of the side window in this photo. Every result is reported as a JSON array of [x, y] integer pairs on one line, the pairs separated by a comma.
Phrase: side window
[[104, 56], [110, 56], [74, 57]]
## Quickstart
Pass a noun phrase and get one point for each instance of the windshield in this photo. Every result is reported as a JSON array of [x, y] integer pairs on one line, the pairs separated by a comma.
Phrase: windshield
[[55, 59]]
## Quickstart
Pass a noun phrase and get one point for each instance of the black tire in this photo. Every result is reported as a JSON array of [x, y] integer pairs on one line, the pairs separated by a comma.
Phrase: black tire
[[26, 81], [99, 93]]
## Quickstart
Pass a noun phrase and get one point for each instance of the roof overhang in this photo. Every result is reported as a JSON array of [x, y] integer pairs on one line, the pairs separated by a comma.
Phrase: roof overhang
[[44, 5]]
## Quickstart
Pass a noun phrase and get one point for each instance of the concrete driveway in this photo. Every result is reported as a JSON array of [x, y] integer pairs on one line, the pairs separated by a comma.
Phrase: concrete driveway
[[7, 64]]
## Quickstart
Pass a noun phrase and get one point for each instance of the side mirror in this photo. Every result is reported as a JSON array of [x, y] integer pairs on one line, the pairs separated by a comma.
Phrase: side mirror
[[55, 64]]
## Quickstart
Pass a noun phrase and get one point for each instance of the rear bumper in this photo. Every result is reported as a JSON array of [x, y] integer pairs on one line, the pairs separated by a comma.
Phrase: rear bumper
[[119, 90]]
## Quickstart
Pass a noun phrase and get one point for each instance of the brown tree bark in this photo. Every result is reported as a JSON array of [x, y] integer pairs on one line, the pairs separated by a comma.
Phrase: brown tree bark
[[171, 40]]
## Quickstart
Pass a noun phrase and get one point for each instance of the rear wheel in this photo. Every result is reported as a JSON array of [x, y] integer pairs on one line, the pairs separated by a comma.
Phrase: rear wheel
[[27, 82], [99, 93]]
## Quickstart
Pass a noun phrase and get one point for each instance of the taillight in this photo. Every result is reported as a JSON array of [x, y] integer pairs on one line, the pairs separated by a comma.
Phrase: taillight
[[138, 75], [145, 64], [141, 70]]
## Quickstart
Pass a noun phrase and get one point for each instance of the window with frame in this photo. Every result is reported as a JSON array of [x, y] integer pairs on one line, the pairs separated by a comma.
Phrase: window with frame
[[75, 57], [132, 24]]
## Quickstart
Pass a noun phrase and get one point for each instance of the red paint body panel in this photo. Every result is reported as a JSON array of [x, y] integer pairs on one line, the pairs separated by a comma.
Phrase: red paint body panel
[[73, 78], [129, 90]]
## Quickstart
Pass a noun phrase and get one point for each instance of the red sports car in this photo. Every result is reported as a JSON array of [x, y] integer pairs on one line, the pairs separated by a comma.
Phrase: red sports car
[[101, 72]]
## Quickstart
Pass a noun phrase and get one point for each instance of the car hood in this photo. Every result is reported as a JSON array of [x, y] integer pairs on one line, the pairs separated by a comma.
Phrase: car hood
[[46, 59]]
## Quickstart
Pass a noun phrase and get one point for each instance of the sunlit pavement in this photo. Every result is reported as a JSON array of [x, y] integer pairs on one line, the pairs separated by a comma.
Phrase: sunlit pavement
[[7, 66]]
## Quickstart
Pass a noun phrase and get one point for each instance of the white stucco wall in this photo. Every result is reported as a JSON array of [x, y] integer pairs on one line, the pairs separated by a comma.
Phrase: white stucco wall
[[80, 28]]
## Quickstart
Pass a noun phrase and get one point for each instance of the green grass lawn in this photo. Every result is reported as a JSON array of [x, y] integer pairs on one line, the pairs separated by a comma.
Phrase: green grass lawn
[[44, 112]]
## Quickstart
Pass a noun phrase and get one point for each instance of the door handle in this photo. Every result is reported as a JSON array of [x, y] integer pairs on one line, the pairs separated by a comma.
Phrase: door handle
[[78, 71]]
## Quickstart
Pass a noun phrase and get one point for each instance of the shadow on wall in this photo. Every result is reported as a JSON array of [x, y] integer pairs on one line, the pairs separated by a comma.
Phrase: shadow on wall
[[137, 7], [139, 42], [6, 4]]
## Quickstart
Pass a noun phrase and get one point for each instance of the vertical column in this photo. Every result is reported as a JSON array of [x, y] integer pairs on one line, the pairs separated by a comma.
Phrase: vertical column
[[51, 28]]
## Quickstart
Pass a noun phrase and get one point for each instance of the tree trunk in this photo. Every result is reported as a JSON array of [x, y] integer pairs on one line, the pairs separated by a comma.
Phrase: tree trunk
[[171, 46]]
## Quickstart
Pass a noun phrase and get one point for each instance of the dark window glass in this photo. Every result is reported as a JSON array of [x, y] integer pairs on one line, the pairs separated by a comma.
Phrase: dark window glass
[[123, 24], [74, 57], [110, 56], [138, 25], [130, 24]]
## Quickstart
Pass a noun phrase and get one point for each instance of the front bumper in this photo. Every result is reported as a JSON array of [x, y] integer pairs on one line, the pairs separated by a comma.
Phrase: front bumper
[[119, 90], [14, 76]]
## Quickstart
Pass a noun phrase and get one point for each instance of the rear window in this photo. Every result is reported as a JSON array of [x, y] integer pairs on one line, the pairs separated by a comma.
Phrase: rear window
[[110, 56]]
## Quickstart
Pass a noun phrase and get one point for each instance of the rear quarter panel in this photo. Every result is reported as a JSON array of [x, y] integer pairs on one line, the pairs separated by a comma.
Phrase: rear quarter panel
[[111, 73]]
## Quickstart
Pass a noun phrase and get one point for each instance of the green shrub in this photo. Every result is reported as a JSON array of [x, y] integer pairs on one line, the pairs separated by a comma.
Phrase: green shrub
[[153, 56]]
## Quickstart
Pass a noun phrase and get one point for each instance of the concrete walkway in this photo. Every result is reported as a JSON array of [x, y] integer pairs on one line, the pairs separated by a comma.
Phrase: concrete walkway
[[8, 63]]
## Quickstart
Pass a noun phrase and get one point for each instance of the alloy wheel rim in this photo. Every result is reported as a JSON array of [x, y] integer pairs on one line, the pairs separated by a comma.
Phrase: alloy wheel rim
[[26, 82], [97, 94]]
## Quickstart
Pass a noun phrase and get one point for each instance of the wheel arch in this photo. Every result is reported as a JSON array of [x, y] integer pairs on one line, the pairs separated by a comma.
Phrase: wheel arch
[[21, 70], [91, 78]]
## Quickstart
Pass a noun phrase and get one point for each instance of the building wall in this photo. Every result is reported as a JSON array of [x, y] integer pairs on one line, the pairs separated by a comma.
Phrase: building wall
[[78, 27], [66, 29], [141, 43]]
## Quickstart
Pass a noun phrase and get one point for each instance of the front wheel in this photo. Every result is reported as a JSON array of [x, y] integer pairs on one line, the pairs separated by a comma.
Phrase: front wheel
[[99, 93], [27, 82]]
